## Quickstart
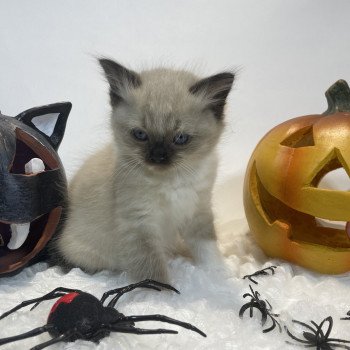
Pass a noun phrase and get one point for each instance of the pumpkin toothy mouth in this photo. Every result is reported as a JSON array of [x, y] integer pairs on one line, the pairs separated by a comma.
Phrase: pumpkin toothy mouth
[[339, 225], [302, 227]]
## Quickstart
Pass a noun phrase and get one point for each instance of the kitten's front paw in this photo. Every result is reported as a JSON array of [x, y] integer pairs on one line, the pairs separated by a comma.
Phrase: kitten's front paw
[[156, 272], [210, 259]]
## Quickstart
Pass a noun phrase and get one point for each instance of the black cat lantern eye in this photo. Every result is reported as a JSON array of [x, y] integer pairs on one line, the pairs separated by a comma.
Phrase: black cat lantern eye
[[32, 182]]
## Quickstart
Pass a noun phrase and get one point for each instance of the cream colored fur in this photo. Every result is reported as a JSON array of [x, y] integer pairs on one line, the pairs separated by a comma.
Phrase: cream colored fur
[[128, 215]]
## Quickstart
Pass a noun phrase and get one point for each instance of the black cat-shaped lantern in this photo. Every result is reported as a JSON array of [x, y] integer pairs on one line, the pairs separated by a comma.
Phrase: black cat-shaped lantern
[[33, 185]]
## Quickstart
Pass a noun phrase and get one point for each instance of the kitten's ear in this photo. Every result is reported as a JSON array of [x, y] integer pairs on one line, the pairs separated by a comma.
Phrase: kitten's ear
[[215, 89], [120, 79], [50, 121]]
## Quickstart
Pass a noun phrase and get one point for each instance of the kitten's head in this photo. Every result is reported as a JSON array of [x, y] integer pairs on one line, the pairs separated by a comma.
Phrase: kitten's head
[[165, 118]]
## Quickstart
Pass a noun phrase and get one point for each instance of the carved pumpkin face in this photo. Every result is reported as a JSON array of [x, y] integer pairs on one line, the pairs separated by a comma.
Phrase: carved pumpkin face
[[33, 185], [284, 204]]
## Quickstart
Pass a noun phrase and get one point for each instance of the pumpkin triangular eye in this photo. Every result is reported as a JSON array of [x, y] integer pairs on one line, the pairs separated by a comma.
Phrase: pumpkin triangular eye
[[336, 180], [334, 174], [302, 138]]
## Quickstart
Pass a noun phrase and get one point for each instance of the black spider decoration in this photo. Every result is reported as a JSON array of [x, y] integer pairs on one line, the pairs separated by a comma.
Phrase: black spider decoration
[[317, 337], [264, 272], [263, 306], [80, 315], [346, 318]]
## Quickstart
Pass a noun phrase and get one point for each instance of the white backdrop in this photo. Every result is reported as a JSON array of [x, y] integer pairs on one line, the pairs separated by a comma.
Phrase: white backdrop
[[287, 54]]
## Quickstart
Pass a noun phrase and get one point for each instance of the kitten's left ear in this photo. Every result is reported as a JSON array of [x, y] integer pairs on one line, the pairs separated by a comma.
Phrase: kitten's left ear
[[50, 121], [216, 89]]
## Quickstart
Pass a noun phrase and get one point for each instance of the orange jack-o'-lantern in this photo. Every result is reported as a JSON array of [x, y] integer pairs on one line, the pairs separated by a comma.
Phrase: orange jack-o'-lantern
[[283, 201]]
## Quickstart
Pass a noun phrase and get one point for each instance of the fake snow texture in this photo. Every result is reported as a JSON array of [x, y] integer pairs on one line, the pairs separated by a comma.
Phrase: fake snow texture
[[209, 300]]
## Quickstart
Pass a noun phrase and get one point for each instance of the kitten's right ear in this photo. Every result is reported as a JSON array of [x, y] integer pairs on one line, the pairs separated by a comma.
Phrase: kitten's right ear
[[120, 79]]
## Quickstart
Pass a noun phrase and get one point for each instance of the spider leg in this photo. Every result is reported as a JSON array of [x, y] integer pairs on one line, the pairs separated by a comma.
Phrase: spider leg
[[58, 292], [346, 318], [252, 290], [32, 333], [123, 329], [300, 345], [247, 295], [341, 346], [274, 323], [250, 278], [162, 318], [62, 337], [271, 268], [338, 340], [306, 325], [143, 284], [294, 337], [263, 272], [251, 311], [330, 326], [243, 309], [269, 308], [251, 305], [266, 330]]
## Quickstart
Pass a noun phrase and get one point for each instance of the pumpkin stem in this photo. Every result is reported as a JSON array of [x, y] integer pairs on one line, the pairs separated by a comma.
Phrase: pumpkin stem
[[338, 97]]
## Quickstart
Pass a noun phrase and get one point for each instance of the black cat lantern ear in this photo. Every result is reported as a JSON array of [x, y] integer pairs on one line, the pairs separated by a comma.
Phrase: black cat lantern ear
[[32, 182]]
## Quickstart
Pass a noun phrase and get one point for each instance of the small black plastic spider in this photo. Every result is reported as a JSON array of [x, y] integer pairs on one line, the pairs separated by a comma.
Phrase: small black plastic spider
[[346, 318], [264, 272], [263, 306], [317, 338], [80, 315]]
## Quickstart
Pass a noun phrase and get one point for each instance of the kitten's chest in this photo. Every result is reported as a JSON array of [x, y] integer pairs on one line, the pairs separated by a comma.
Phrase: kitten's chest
[[175, 202]]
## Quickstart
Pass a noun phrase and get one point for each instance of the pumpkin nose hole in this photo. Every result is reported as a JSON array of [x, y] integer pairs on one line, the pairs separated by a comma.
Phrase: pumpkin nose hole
[[337, 180]]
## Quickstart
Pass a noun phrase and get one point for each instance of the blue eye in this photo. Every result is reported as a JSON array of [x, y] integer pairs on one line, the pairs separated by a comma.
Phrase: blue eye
[[181, 138], [139, 134]]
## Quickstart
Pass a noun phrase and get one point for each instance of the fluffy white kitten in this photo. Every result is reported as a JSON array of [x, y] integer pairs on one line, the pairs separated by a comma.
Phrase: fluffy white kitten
[[148, 193]]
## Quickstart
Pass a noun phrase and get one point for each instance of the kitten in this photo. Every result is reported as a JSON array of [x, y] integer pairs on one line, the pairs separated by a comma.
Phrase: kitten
[[133, 202]]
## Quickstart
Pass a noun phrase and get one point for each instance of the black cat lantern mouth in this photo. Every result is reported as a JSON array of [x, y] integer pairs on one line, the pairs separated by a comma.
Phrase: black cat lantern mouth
[[33, 185]]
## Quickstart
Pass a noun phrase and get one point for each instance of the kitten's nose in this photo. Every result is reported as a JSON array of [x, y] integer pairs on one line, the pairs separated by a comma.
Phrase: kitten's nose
[[158, 154]]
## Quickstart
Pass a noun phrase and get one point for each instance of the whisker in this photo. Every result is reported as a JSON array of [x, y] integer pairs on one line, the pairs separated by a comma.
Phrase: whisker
[[129, 169]]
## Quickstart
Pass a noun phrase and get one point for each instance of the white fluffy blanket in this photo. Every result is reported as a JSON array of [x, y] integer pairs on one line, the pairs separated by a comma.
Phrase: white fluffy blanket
[[208, 300]]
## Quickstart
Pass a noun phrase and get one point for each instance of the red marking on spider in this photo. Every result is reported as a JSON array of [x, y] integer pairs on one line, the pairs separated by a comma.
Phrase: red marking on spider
[[67, 299]]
